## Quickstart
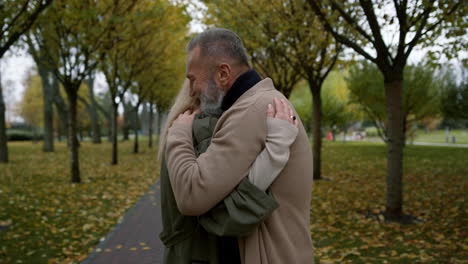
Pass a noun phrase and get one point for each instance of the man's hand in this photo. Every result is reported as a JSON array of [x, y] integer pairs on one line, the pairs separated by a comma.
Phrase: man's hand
[[186, 118]]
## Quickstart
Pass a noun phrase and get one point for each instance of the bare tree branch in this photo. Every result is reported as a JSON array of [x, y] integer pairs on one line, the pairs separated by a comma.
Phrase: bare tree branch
[[352, 22], [379, 43], [22, 28], [346, 41]]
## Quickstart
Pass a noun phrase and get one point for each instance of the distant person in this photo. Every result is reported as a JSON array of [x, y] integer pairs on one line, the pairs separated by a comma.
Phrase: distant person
[[220, 76]]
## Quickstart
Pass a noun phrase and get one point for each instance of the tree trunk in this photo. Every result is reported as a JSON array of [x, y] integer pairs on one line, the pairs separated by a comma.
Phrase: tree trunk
[[144, 116], [161, 120], [72, 130], [59, 134], [316, 129], [126, 121], [344, 134], [3, 136], [47, 91], [48, 94], [394, 92], [158, 125], [406, 129], [108, 116], [114, 134], [62, 108], [59, 125], [95, 128], [109, 130], [126, 132], [150, 128], [80, 133], [135, 128]]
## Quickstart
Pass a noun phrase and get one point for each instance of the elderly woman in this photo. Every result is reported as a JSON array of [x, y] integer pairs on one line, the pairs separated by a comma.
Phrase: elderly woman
[[206, 238]]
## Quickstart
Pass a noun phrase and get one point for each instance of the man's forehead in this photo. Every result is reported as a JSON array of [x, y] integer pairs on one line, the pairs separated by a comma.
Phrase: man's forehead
[[193, 60], [193, 55]]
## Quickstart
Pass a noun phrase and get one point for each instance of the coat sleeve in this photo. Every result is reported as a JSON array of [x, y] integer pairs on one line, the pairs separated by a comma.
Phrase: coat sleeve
[[271, 161], [248, 205], [201, 183], [241, 211]]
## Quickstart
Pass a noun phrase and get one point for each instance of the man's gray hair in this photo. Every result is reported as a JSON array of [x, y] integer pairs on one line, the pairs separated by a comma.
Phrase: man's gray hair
[[219, 42]]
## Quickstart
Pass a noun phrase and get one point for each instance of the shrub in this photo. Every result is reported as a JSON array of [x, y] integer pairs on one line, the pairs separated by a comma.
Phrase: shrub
[[23, 135], [371, 132]]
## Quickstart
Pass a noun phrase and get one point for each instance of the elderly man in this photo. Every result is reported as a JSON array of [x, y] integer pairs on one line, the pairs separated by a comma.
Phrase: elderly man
[[219, 72]]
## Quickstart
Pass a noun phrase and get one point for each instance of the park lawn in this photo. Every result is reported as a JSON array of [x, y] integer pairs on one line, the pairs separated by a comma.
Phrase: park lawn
[[53, 221], [439, 136], [436, 136], [434, 191]]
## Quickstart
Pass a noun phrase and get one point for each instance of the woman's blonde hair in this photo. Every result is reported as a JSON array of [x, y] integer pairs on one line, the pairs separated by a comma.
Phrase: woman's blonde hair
[[182, 103]]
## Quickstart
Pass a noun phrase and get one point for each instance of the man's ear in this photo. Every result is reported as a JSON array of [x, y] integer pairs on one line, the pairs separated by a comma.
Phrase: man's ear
[[224, 74]]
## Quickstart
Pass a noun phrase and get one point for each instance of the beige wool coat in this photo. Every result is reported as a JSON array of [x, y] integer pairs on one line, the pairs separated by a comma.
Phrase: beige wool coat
[[239, 136]]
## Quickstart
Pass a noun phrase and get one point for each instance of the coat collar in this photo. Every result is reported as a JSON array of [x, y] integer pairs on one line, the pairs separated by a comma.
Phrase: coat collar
[[243, 83]]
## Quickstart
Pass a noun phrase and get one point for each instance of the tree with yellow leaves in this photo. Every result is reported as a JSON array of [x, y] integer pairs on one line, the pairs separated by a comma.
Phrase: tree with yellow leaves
[[137, 52], [16, 17], [73, 32]]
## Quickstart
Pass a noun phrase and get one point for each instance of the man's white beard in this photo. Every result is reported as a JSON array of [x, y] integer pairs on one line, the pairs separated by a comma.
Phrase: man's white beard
[[211, 99]]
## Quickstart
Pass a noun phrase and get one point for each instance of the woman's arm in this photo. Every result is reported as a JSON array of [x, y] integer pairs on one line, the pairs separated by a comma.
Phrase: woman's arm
[[248, 204], [271, 161]]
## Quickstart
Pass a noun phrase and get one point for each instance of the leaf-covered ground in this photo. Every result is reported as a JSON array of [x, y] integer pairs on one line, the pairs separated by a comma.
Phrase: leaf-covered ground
[[435, 188], [52, 221]]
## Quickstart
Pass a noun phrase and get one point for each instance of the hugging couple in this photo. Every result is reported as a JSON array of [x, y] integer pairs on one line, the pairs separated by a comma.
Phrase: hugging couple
[[236, 164]]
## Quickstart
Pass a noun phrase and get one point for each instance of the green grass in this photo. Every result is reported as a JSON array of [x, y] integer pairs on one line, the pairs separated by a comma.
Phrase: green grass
[[53, 221]]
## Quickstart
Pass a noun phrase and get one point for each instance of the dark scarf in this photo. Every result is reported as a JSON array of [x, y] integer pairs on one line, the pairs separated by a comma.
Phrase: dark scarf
[[228, 247], [243, 83]]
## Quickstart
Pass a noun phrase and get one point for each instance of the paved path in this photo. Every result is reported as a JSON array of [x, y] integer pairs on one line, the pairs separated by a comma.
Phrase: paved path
[[440, 144], [136, 239], [414, 143]]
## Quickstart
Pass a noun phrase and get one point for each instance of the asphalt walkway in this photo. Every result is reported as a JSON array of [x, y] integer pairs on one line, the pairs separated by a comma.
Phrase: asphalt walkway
[[440, 144], [135, 240], [412, 143]]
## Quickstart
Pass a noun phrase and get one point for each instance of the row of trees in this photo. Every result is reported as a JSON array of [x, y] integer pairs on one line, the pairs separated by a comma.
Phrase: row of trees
[[298, 39], [426, 90], [16, 17], [138, 45], [94, 111], [432, 97]]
